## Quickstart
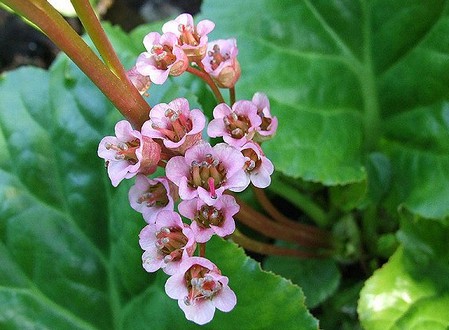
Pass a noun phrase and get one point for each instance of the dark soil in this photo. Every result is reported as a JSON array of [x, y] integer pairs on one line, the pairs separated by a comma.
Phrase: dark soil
[[21, 44]]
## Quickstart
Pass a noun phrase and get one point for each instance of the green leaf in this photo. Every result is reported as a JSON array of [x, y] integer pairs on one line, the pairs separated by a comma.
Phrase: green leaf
[[394, 299], [311, 76], [343, 86], [318, 278]]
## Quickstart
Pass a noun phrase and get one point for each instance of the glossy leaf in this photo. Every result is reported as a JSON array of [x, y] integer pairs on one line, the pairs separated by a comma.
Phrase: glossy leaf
[[395, 299], [318, 278]]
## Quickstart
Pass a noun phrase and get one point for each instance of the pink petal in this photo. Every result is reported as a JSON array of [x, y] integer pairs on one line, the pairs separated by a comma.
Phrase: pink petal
[[204, 27], [225, 300], [198, 121], [175, 286], [221, 110], [227, 228], [201, 312], [147, 237], [176, 169], [151, 261], [238, 182], [188, 208], [216, 128], [150, 40], [124, 131], [117, 171]]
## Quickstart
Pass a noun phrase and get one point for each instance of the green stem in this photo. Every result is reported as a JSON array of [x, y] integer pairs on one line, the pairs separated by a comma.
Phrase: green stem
[[232, 95], [42, 14], [96, 33], [209, 81], [367, 80], [302, 201]]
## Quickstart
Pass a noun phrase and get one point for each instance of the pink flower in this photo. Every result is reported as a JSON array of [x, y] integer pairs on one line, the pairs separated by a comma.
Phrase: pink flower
[[269, 124], [151, 196], [163, 57], [258, 167], [206, 172], [166, 243], [237, 125], [191, 38], [208, 220], [221, 62], [128, 153], [142, 83], [174, 123], [199, 288]]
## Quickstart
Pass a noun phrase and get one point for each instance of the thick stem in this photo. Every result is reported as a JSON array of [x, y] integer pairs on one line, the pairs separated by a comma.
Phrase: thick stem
[[209, 81], [269, 249], [281, 218], [96, 33], [301, 201], [202, 252], [259, 222], [133, 107]]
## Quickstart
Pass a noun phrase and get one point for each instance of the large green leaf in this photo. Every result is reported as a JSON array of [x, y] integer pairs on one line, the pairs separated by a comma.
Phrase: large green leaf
[[69, 249], [318, 278], [343, 75], [394, 299], [411, 291]]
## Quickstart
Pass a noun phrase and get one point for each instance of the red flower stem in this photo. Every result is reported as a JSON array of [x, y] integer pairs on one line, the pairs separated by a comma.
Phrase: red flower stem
[[202, 252], [232, 95], [269, 249], [259, 222], [208, 80], [95, 31], [279, 217], [133, 107]]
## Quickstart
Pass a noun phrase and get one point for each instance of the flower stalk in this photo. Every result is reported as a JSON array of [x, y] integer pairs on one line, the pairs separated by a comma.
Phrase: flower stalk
[[126, 99]]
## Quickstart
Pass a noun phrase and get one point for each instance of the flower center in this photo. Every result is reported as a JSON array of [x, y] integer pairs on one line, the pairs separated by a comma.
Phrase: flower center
[[252, 160], [266, 122], [209, 174], [217, 57], [163, 56], [236, 125], [179, 125], [170, 243], [125, 150], [154, 196], [208, 215], [200, 284], [188, 35]]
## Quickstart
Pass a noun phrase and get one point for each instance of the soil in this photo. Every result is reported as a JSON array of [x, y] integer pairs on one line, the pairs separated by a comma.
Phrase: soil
[[21, 44]]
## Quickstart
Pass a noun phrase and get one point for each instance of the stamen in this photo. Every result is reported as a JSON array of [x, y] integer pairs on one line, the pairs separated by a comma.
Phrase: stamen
[[251, 165]]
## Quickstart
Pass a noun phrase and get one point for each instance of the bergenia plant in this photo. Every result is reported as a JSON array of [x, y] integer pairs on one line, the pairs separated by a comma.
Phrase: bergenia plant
[[265, 165]]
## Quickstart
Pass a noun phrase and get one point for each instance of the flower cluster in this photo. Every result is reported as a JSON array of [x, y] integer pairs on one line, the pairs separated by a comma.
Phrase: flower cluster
[[198, 175]]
